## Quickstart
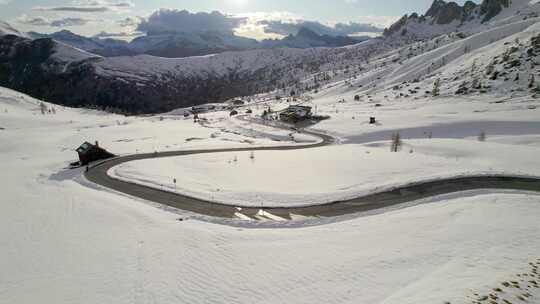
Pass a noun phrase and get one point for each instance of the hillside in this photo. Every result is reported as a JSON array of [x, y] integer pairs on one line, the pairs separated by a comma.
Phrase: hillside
[[143, 84], [148, 84], [446, 17], [100, 246]]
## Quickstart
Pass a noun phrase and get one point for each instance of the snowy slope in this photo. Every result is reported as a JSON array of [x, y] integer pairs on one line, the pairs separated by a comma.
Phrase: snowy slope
[[67, 53], [492, 39], [415, 27], [64, 242]]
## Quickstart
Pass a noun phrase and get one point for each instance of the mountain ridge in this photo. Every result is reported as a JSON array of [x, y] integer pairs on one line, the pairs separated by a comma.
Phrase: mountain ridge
[[50, 70], [181, 44], [450, 15]]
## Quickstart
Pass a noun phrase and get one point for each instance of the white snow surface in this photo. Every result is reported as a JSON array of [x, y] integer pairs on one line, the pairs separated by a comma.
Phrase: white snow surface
[[65, 242]]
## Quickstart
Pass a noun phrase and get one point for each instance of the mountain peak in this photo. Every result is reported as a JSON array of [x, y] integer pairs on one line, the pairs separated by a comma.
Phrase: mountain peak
[[305, 32], [436, 7], [442, 12]]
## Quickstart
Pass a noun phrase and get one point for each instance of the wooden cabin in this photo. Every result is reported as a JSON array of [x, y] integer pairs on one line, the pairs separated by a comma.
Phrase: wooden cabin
[[92, 152]]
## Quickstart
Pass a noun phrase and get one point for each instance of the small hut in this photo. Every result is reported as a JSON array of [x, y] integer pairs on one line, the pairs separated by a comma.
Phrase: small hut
[[89, 153]]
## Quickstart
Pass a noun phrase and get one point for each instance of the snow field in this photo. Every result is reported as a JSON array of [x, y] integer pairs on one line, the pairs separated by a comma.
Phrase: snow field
[[328, 174]]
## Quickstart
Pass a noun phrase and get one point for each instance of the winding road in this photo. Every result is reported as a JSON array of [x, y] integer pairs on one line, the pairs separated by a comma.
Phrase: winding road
[[98, 175]]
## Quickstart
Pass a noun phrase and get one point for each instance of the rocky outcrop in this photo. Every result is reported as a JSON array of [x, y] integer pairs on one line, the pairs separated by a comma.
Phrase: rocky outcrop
[[491, 8], [442, 12], [445, 13]]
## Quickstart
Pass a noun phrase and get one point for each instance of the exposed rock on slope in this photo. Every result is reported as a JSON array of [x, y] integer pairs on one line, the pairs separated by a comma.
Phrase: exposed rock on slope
[[447, 17], [442, 12], [491, 8]]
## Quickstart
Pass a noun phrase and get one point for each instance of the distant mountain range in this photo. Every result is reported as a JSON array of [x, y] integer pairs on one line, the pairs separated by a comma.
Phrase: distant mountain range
[[78, 71], [180, 44]]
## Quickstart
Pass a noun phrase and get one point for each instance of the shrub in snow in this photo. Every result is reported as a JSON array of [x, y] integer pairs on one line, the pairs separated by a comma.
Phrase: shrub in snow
[[396, 142], [482, 136], [42, 108], [463, 89], [436, 87]]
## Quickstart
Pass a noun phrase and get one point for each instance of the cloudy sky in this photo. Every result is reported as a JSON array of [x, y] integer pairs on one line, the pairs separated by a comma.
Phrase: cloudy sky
[[253, 18]]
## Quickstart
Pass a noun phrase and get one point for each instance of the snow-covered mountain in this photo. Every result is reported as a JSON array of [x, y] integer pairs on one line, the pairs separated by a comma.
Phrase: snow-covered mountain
[[61, 73], [182, 44], [446, 17], [306, 38], [104, 47], [137, 84]]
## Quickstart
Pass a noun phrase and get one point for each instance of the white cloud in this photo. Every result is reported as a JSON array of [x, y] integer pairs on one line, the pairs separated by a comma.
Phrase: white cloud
[[262, 25], [130, 22], [253, 26], [60, 22], [118, 35], [88, 6], [166, 20], [35, 21], [379, 21]]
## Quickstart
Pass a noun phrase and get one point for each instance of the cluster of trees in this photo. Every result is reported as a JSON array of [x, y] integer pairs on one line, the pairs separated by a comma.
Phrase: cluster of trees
[[396, 143]]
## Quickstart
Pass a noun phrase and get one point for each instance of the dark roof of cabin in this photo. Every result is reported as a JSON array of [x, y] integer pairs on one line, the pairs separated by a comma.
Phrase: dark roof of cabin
[[85, 147]]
